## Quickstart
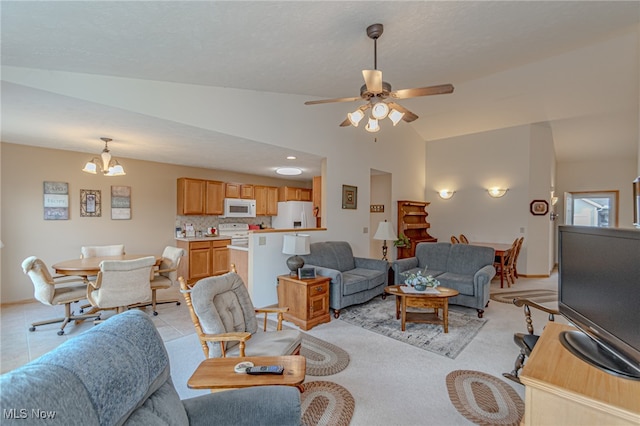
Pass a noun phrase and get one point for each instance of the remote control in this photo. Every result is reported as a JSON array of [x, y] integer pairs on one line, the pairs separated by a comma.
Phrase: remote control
[[266, 369]]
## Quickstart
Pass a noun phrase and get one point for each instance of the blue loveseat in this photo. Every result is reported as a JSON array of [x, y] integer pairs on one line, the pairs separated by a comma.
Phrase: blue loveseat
[[118, 374], [354, 280], [462, 267]]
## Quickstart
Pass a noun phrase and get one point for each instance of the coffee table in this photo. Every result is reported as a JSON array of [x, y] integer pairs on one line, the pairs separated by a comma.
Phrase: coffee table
[[436, 301], [218, 373]]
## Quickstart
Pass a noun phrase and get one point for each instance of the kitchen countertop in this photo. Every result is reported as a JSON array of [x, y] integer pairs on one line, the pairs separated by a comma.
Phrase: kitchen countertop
[[262, 231], [239, 247], [188, 239]]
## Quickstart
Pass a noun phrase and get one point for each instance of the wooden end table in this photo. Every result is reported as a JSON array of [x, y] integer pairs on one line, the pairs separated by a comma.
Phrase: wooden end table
[[218, 373], [307, 300], [436, 301]]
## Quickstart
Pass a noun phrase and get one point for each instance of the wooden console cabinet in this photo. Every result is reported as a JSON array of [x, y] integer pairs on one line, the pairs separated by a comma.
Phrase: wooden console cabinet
[[564, 390], [203, 258], [307, 300]]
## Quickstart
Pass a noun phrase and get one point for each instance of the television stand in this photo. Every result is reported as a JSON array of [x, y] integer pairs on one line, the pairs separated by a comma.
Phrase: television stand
[[563, 390], [597, 355]]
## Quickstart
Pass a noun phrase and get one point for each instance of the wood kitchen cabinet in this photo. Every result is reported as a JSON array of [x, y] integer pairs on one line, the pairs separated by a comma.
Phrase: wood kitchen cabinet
[[307, 300], [203, 258], [266, 200], [239, 190], [200, 197], [290, 193], [317, 199]]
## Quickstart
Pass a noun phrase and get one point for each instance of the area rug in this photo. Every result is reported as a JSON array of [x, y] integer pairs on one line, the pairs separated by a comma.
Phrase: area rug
[[484, 399], [323, 358], [326, 403], [379, 316], [539, 296]]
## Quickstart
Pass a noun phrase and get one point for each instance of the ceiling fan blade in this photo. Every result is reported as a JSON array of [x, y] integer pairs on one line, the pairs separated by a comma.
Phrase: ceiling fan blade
[[408, 115], [345, 123], [326, 101], [442, 89], [373, 80]]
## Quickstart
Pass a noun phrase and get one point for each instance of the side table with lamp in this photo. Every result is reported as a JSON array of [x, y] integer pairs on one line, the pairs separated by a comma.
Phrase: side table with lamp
[[306, 298], [385, 232]]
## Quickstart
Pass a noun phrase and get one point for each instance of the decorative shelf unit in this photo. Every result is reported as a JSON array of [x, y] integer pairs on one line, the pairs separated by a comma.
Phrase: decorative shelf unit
[[412, 222]]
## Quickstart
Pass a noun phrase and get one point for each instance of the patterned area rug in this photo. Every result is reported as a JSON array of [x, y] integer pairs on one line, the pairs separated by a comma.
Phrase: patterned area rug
[[323, 358], [484, 399], [539, 296], [379, 316], [326, 403]]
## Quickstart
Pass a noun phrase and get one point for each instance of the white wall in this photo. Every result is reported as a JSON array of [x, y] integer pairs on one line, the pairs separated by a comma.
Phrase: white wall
[[381, 194], [518, 158]]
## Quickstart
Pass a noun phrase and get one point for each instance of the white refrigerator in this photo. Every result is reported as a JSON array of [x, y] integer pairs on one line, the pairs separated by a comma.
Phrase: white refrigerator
[[294, 214]]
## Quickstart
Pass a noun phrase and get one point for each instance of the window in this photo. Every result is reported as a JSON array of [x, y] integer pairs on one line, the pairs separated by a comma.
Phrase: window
[[591, 209]]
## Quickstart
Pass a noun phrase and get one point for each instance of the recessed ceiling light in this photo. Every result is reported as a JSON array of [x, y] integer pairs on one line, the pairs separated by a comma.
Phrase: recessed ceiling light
[[288, 171], [291, 157]]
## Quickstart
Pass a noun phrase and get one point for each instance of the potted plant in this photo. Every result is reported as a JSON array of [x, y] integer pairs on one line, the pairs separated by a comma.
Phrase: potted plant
[[402, 241], [419, 280]]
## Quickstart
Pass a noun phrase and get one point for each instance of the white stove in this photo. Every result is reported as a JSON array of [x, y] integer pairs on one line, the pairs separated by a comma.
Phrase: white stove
[[238, 232]]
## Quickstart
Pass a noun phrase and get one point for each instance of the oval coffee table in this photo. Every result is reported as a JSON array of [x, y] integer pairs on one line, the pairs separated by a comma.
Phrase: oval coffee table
[[414, 299]]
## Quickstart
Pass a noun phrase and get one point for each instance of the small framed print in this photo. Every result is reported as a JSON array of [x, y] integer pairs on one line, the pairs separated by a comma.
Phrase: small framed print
[[539, 207], [306, 273], [349, 197], [90, 203]]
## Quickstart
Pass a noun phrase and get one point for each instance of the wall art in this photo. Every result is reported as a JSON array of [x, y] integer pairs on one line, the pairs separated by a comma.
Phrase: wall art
[[349, 197], [120, 202], [56, 200], [539, 207], [90, 203]]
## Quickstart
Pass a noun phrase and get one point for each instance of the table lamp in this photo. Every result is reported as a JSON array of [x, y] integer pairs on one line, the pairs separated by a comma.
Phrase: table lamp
[[296, 245], [385, 232]]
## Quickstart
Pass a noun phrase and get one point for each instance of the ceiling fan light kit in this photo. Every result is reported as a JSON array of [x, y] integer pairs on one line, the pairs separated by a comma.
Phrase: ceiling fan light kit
[[375, 93]]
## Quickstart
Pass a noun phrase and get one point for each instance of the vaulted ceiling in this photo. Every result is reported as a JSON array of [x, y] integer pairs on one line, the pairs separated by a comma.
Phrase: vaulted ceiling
[[574, 65]]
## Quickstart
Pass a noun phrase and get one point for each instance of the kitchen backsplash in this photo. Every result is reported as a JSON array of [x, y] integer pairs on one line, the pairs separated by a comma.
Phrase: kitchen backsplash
[[201, 223]]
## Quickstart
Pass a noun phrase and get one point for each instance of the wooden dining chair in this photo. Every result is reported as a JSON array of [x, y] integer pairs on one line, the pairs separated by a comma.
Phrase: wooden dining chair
[[454, 240], [463, 239], [515, 260], [509, 263]]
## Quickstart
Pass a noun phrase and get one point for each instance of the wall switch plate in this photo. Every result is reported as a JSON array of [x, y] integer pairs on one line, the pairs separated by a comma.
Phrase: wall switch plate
[[522, 230], [365, 230], [262, 241]]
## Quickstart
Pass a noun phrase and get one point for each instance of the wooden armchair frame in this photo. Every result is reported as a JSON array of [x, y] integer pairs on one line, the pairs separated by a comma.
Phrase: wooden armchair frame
[[241, 337], [526, 342]]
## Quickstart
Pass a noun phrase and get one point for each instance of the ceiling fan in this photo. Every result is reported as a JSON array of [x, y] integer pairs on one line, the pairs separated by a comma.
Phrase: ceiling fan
[[378, 94]]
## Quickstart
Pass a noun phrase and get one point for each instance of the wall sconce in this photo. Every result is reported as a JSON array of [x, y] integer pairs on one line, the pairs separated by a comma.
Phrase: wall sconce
[[497, 192], [554, 201], [445, 194]]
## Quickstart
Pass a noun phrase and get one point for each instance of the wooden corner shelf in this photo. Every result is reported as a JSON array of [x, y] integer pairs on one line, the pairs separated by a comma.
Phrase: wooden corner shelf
[[412, 222]]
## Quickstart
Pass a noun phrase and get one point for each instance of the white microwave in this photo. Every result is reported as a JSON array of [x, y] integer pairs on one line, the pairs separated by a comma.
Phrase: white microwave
[[238, 207]]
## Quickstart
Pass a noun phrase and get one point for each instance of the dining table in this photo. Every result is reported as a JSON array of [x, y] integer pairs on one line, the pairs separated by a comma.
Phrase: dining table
[[501, 249], [90, 266]]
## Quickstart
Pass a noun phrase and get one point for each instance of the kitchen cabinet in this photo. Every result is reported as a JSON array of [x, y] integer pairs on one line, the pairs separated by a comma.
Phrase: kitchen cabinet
[[191, 196], [203, 258], [307, 300], [317, 199], [266, 200], [290, 193], [200, 197], [239, 190], [412, 222], [214, 203], [239, 259]]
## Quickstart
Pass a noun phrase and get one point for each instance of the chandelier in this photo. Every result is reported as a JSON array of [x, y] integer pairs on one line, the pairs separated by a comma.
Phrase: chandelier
[[108, 165]]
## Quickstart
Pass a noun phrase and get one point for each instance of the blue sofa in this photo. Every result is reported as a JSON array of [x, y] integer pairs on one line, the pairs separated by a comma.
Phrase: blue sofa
[[118, 373], [463, 267], [354, 280]]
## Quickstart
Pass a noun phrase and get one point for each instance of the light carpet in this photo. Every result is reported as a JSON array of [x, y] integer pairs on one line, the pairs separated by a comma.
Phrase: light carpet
[[379, 316], [538, 296], [484, 399]]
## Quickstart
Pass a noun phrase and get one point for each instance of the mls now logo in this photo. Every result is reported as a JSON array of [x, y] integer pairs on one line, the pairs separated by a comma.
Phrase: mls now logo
[[23, 413]]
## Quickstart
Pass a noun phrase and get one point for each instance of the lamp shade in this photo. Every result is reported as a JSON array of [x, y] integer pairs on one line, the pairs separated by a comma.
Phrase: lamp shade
[[296, 244], [385, 232]]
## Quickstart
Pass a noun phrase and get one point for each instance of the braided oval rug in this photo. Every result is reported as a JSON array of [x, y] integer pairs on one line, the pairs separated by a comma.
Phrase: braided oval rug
[[326, 403]]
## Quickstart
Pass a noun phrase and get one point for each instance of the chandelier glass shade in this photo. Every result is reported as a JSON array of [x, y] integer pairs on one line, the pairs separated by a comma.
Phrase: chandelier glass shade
[[108, 165], [379, 111]]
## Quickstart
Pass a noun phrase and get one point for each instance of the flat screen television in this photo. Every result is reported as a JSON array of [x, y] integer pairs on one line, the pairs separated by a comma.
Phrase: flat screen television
[[599, 293]]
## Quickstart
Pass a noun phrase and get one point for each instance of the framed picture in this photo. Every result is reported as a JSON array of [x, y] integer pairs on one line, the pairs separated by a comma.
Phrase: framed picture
[[120, 202], [539, 207], [56, 201], [306, 273], [349, 197], [90, 203]]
